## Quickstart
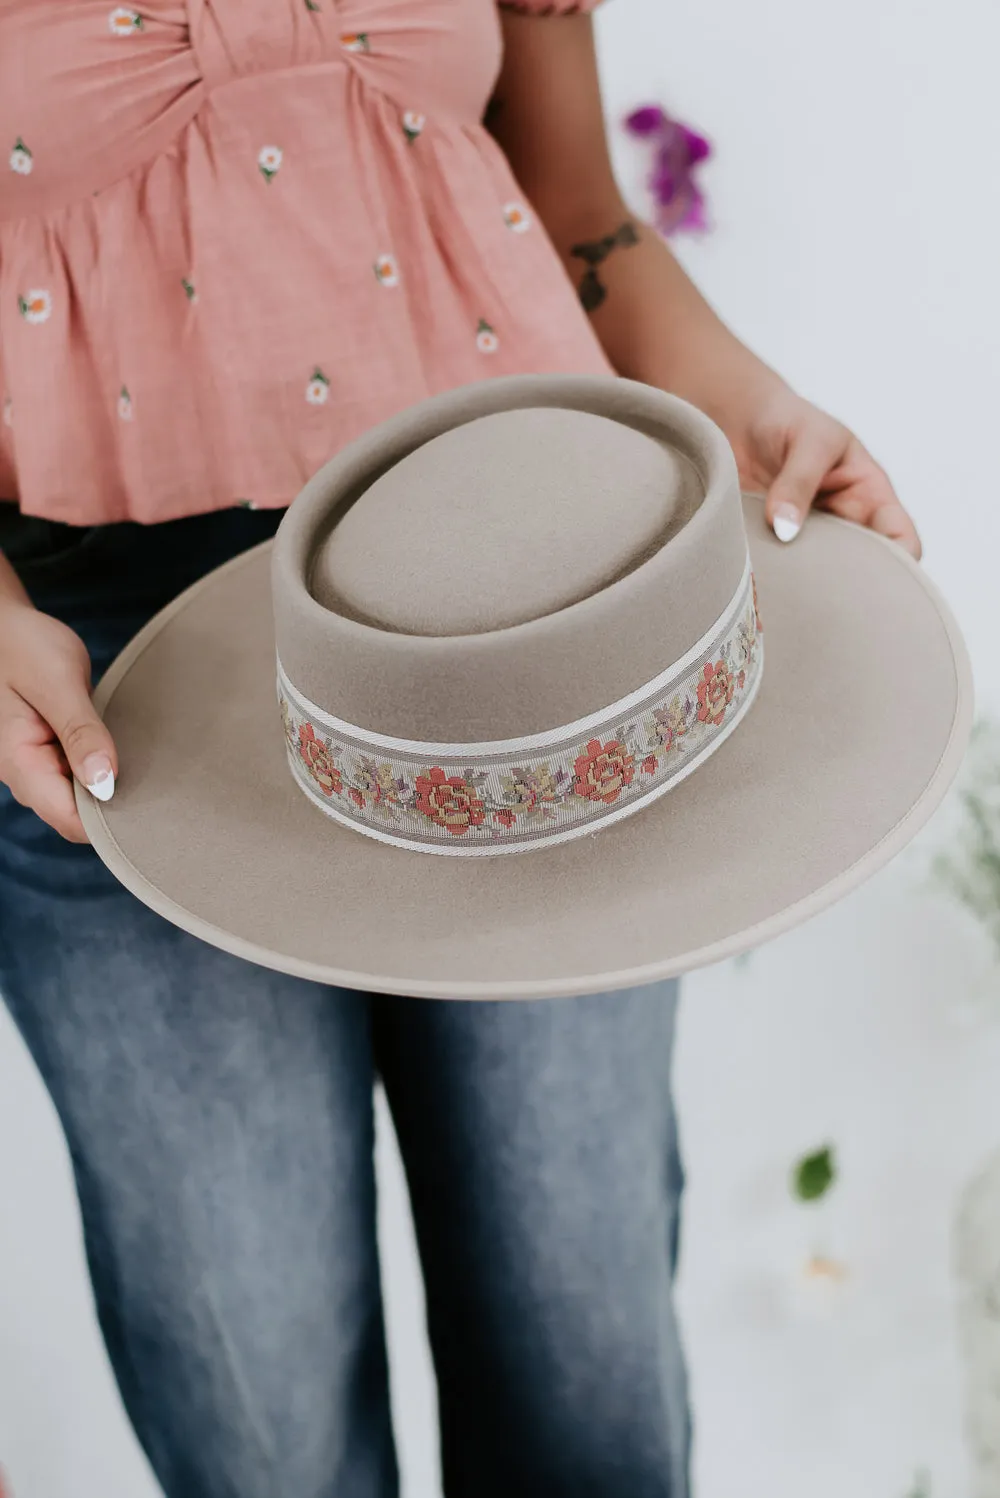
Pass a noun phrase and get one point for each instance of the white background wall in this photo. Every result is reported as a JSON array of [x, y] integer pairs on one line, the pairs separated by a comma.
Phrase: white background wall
[[857, 230]]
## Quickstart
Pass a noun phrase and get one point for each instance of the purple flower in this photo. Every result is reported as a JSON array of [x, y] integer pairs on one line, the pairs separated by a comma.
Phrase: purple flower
[[678, 200], [646, 121]]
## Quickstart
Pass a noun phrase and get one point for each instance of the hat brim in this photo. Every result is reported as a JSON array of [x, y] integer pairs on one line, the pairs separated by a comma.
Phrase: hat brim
[[859, 727]]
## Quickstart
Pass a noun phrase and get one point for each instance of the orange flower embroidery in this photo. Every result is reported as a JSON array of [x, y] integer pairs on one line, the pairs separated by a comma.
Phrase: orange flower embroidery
[[505, 818], [715, 693], [650, 764], [318, 761], [449, 801], [603, 771]]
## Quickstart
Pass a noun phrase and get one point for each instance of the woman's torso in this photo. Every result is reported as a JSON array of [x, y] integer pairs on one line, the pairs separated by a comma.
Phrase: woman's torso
[[234, 235]]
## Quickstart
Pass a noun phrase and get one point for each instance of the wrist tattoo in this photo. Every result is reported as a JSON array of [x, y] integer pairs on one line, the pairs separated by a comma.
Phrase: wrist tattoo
[[593, 253]]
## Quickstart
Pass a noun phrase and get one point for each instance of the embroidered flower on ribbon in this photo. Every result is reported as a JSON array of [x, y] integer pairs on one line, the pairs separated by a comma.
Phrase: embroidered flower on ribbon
[[35, 306], [715, 692], [318, 389], [124, 405], [377, 783], [124, 22], [449, 801], [318, 760], [288, 724], [670, 723], [602, 771], [21, 160], [516, 217], [269, 160], [536, 790], [487, 341], [678, 151], [386, 270], [311, 5], [355, 41], [189, 290], [413, 124]]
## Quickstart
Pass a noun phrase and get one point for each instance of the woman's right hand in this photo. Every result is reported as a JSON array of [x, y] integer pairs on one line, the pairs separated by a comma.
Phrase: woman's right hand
[[49, 730]]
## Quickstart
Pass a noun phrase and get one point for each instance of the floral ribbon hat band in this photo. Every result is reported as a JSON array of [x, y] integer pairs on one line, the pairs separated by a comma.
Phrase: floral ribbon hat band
[[523, 618]]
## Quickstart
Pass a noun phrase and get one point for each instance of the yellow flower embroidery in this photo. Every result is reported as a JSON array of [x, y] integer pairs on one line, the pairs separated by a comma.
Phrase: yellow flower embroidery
[[386, 270], [516, 217], [269, 160], [35, 306], [318, 389], [21, 160], [124, 22], [487, 341]]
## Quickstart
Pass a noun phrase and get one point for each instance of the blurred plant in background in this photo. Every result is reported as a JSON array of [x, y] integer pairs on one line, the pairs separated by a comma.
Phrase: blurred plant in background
[[679, 203], [970, 869]]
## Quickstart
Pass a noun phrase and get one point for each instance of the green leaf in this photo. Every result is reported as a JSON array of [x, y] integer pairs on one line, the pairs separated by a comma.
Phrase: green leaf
[[814, 1174]]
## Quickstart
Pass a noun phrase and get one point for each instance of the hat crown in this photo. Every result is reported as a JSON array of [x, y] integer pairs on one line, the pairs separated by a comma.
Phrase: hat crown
[[503, 520]]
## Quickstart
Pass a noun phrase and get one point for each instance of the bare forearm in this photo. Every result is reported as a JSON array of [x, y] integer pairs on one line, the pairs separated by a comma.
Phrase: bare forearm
[[653, 322]]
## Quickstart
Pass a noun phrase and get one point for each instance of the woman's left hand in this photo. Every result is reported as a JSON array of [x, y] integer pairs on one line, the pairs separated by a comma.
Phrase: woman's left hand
[[799, 456]]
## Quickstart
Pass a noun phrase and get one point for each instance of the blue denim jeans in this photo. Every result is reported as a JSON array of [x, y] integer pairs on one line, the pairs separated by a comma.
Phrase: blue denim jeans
[[219, 1120]]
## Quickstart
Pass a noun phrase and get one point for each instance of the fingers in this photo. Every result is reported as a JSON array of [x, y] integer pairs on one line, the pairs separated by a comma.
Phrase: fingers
[[809, 458], [34, 768], [51, 796], [862, 491], [892, 520], [63, 700]]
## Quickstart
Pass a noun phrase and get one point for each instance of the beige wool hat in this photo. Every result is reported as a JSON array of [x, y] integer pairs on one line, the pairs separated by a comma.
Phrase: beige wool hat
[[526, 741]]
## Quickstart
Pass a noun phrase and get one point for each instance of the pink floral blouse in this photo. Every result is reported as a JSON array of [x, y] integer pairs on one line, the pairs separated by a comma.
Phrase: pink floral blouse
[[236, 233]]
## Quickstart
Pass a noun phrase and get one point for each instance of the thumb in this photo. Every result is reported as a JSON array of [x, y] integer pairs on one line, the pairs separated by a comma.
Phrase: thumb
[[793, 491], [87, 744]]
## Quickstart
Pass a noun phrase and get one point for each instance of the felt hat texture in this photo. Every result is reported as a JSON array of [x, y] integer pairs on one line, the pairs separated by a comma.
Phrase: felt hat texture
[[556, 713]]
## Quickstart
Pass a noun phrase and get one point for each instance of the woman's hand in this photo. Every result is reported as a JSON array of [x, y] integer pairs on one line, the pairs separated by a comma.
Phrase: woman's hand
[[49, 730], [799, 456]]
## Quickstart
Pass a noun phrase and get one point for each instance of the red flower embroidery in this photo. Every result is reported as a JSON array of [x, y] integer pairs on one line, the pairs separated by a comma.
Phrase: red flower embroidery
[[715, 693], [449, 801], [603, 771], [756, 610], [650, 764], [505, 818], [356, 797], [319, 762]]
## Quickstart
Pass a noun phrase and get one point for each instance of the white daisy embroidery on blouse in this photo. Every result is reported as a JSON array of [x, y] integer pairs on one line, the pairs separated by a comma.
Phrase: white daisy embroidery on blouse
[[318, 389], [35, 306], [386, 270], [269, 161], [413, 123], [21, 160], [516, 217], [124, 405], [355, 41], [124, 22], [487, 341]]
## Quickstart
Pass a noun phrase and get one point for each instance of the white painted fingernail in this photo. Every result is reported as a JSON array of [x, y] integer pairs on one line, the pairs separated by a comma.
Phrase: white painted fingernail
[[787, 522], [99, 778]]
